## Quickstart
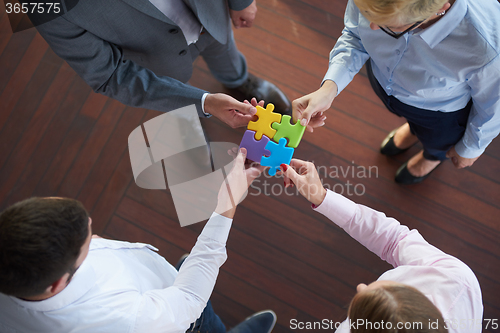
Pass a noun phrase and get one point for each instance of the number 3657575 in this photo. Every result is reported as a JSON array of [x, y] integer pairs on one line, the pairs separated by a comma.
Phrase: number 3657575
[[33, 8]]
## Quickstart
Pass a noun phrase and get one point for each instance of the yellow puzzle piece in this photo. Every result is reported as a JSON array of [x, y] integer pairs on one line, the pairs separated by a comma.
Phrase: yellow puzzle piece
[[263, 125]]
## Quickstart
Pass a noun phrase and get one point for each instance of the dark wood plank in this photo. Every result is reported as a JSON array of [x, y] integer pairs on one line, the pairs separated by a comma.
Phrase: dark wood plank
[[69, 149], [5, 30], [298, 34], [91, 150], [315, 18], [53, 137], [19, 146], [487, 166], [111, 154], [336, 8], [494, 149], [21, 77], [440, 191], [12, 54]]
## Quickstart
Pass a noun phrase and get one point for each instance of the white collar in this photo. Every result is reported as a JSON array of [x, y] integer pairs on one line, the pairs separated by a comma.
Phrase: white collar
[[83, 280]]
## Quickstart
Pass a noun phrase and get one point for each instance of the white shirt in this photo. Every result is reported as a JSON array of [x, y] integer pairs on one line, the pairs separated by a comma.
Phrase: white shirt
[[449, 284], [182, 15], [125, 287]]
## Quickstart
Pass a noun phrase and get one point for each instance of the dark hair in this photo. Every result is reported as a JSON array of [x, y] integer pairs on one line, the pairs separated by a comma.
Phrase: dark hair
[[40, 241], [395, 304]]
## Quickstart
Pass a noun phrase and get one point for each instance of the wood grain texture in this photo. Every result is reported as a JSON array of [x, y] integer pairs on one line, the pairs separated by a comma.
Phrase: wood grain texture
[[57, 137]]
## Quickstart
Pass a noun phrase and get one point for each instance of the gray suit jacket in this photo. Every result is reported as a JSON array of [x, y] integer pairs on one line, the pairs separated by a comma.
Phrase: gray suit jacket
[[130, 51]]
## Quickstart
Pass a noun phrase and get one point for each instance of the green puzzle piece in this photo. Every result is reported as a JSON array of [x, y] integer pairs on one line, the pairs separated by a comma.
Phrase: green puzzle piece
[[285, 129]]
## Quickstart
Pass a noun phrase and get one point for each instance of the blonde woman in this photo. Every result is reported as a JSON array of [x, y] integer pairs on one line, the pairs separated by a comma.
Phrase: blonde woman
[[435, 63], [426, 291]]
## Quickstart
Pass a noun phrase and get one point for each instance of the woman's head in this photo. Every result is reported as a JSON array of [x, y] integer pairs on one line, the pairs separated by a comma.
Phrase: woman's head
[[404, 307], [399, 12]]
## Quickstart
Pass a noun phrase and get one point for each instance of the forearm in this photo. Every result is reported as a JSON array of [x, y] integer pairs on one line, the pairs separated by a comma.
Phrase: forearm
[[482, 127], [102, 65], [484, 120], [174, 308], [382, 235], [137, 86], [200, 269]]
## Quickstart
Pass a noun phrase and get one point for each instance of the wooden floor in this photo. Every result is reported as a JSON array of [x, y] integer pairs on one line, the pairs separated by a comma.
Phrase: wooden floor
[[57, 137]]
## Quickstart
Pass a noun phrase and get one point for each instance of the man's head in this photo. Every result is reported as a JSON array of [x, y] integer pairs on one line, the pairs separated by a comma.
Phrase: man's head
[[400, 13], [395, 303], [42, 243]]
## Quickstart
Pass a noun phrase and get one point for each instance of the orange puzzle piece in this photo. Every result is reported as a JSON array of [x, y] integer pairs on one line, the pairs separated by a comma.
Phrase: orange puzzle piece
[[263, 125]]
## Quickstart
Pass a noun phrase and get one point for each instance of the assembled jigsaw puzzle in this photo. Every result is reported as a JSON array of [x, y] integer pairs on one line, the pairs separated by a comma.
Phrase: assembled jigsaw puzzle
[[272, 139]]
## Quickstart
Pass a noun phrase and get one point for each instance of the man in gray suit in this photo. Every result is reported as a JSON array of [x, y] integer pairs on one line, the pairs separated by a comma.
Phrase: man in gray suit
[[141, 53]]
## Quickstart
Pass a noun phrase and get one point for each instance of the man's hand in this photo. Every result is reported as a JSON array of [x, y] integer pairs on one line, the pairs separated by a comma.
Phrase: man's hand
[[458, 161], [244, 18], [230, 111], [309, 108], [236, 184]]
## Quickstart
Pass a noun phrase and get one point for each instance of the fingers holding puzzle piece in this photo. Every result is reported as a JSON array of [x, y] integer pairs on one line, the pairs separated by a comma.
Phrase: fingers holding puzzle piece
[[280, 154], [263, 125], [285, 129], [269, 127], [255, 148]]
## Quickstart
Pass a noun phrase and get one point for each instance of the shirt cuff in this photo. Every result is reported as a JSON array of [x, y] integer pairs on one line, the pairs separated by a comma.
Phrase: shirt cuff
[[203, 105], [337, 208], [339, 74], [465, 152], [217, 228]]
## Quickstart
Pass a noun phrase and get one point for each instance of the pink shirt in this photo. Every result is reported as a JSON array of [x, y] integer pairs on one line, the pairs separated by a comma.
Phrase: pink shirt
[[446, 281]]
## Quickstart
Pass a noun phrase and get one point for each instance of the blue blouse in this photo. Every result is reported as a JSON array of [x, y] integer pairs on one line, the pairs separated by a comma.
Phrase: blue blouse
[[438, 68]]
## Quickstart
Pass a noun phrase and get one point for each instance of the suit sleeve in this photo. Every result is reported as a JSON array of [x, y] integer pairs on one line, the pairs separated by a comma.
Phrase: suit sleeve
[[239, 4], [102, 65]]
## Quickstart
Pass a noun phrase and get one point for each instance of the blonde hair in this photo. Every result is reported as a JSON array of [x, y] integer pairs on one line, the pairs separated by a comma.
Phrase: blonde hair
[[399, 12], [395, 304]]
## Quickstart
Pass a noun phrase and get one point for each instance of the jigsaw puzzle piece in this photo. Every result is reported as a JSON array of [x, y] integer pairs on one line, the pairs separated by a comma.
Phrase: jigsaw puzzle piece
[[280, 153], [263, 125], [285, 129], [255, 148]]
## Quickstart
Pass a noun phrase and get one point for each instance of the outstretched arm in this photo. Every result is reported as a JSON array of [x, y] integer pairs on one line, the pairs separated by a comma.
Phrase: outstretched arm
[[382, 235], [175, 308], [346, 59], [103, 66]]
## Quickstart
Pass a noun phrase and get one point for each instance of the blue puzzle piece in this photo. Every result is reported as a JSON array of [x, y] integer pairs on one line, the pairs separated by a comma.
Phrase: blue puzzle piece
[[255, 148], [279, 154]]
